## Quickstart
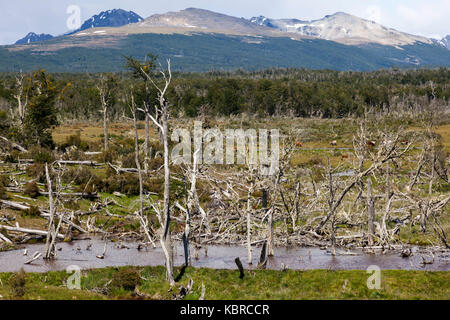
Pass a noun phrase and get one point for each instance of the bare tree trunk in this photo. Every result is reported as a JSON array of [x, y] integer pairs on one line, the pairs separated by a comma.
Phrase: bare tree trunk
[[49, 250], [18, 96], [269, 249], [147, 154], [270, 235], [192, 202], [166, 241], [105, 127], [333, 235], [433, 163], [143, 220], [161, 121], [249, 228], [371, 212]]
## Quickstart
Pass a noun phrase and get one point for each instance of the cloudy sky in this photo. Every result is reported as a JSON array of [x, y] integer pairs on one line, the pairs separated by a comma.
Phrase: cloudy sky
[[426, 18]]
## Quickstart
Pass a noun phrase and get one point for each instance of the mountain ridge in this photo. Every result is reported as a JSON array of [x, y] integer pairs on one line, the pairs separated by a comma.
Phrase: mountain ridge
[[33, 37], [199, 40], [344, 28]]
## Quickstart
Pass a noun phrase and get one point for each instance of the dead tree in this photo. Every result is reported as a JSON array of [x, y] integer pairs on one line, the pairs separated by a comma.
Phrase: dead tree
[[53, 225], [142, 71], [192, 205], [142, 218], [387, 149], [162, 124], [106, 91], [371, 213], [21, 97]]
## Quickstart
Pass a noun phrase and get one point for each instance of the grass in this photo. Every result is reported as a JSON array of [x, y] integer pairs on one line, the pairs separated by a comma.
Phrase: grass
[[225, 284]]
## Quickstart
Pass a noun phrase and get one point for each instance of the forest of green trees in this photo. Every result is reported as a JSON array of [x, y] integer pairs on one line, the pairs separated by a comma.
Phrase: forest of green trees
[[273, 92]]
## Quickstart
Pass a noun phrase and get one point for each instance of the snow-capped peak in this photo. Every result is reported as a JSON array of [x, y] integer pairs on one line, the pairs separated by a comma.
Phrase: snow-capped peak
[[110, 18], [342, 27], [33, 37]]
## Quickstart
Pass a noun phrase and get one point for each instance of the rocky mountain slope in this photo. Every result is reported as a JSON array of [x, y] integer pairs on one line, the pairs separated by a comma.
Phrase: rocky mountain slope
[[202, 40], [343, 28], [33, 37], [110, 18]]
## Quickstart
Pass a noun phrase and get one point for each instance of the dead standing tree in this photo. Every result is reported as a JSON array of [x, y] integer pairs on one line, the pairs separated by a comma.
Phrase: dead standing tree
[[161, 121], [142, 71], [142, 218], [21, 97], [106, 92], [54, 224], [192, 204]]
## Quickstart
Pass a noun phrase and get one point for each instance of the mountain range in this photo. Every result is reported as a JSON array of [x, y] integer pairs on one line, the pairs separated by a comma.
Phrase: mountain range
[[343, 28], [446, 42], [33, 37], [201, 40], [110, 18]]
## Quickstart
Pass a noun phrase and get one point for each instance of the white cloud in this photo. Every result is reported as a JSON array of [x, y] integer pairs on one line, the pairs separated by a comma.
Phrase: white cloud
[[373, 13], [425, 18]]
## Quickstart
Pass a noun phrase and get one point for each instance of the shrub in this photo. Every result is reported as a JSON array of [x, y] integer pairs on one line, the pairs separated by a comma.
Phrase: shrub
[[75, 140], [83, 175], [12, 157], [41, 155], [126, 183], [107, 156], [126, 279], [17, 283], [3, 194], [155, 185], [37, 170], [4, 181], [92, 186], [32, 212], [32, 189], [156, 163], [129, 160]]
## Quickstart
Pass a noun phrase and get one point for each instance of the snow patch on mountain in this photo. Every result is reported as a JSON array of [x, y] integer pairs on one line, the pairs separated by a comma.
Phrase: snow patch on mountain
[[110, 18], [33, 37], [344, 28]]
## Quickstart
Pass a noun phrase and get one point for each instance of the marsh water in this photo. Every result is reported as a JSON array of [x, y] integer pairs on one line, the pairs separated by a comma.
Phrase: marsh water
[[83, 253]]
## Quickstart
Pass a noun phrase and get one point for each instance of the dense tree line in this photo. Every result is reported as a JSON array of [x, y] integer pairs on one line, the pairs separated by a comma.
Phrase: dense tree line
[[296, 92]]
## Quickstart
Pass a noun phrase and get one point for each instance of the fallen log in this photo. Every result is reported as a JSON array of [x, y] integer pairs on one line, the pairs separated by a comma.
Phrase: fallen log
[[26, 161], [74, 195], [14, 145], [4, 239], [14, 205], [30, 231], [354, 236], [24, 198], [122, 170], [66, 221], [36, 256], [83, 163]]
